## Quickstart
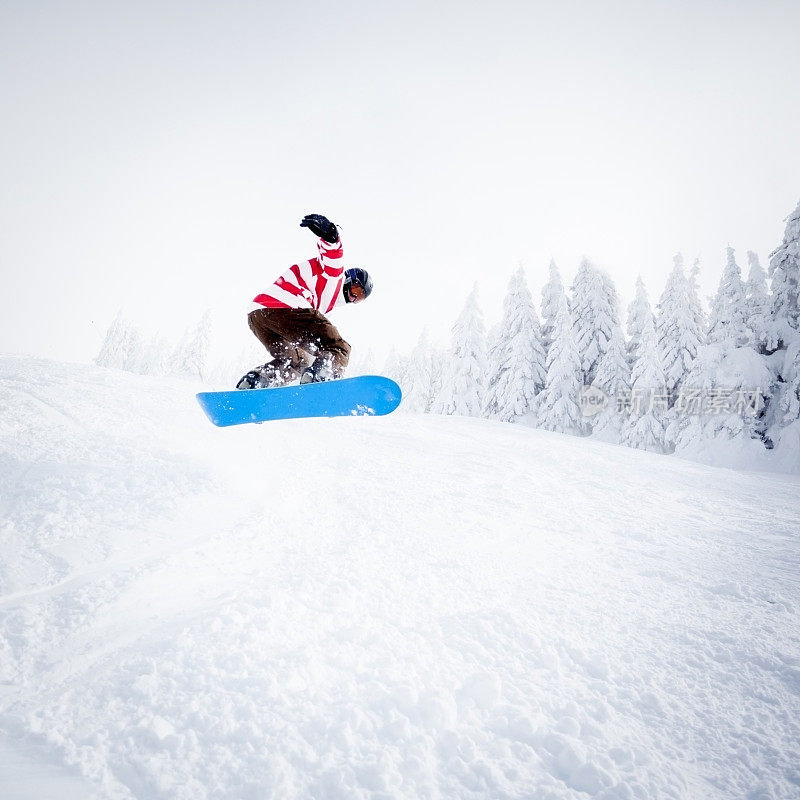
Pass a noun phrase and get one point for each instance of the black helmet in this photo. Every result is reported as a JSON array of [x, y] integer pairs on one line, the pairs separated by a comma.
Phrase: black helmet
[[361, 278]]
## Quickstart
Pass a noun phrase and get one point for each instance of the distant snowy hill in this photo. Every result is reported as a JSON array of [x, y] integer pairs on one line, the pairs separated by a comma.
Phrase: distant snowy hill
[[403, 607]]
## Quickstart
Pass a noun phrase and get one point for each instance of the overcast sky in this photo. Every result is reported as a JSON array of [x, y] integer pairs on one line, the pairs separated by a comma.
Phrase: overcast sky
[[158, 157]]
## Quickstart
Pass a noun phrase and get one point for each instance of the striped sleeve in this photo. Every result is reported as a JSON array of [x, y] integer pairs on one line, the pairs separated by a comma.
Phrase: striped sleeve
[[316, 283], [330, 257]]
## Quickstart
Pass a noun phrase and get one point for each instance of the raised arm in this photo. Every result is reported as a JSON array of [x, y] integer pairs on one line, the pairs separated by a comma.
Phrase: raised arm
[[329, 244]]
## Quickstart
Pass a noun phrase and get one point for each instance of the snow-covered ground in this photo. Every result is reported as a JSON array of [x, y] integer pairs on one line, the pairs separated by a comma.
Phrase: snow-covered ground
[[409, 606]]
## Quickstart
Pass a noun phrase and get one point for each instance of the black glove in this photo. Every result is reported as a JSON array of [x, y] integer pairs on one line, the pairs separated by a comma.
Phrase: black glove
[[321, 226]]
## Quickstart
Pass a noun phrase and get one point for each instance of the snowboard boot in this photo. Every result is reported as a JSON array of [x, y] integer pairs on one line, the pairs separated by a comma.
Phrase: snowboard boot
[[250, 381], [274, 373], [320, 370]]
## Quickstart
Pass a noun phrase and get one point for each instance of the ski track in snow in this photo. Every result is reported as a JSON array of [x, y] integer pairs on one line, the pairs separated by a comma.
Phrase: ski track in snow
[[380, 607]]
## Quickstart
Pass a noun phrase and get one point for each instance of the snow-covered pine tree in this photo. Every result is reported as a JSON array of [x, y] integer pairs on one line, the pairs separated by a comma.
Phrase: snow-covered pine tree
[[726, 325], [464, 376], [643, 427], [732, 384], [493, 339], [191, 357], [784, 270], [134, 352], [122, 347], [678, 328], [638, 312], [785, 430], [613, 377], [585, 290], [698, 314], [759, 304], [741, 366], [115, 345], [697, 377], [685, 428], [552, 292], [417, 391], [595, 315], [556, 405], [726, 368], [516, 360], [783, 417], [439, 357]]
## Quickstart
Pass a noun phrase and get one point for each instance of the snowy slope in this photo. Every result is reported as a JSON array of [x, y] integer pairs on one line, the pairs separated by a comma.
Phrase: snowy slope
[[397, 607]]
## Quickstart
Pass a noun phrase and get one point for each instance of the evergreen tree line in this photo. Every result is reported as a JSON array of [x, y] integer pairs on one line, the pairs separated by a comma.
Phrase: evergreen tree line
[[125, 348], [678, 378], [682, 379]]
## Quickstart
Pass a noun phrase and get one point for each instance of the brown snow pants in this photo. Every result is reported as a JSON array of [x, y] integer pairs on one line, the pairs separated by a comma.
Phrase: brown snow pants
[[294, 335]]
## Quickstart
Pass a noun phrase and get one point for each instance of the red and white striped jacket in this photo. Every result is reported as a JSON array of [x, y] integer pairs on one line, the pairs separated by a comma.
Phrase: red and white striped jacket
[[316, 283]]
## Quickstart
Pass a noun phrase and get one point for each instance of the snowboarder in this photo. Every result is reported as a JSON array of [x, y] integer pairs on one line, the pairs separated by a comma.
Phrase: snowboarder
[[289, 319]]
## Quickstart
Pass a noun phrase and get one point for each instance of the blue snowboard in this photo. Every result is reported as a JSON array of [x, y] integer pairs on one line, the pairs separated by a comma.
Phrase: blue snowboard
[[365, 395]]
